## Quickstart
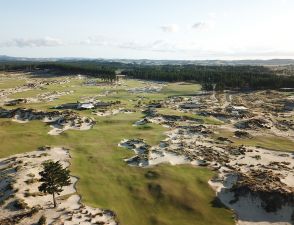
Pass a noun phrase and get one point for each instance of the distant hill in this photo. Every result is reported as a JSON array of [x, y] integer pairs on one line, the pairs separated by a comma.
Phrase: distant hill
[[271, 62], [256, 62], [5, 58]]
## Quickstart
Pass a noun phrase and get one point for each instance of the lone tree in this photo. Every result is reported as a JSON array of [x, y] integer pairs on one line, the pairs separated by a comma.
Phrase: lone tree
[[53, 177]]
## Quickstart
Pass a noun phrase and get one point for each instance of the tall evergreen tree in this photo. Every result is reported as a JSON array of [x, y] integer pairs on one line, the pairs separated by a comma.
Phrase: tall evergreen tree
[[53, 177]]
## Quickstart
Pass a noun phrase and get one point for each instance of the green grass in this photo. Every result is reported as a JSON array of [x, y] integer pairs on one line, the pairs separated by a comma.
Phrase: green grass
[[264, 141], [180, 194], [206, 119], [181, 89], [11, 83], [106, 181], [26, 94]]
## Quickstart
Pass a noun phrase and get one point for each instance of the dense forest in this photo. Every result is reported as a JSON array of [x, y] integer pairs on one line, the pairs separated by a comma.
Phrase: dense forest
[[224, 77], [105, 72], [220, 77]]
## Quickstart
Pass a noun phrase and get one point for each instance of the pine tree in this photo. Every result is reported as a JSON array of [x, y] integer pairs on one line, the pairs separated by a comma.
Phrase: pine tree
[[53, 177]]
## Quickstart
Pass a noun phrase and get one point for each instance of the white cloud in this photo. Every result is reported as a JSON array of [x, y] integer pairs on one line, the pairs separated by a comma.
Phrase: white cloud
[[212, 15], [203, 25], [198, 49], [171, 28], [98, 40], [199, 25], [37, 42], [155, 46], [214, 48]]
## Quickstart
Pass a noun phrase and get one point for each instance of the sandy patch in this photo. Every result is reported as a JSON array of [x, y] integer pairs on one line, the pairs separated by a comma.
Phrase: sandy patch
[[21, 174]]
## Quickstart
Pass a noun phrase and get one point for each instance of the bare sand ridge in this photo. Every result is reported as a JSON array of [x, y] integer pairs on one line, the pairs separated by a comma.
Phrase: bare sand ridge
[[22, 203]]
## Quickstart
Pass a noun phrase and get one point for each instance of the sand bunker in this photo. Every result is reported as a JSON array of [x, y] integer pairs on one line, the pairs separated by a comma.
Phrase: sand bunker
[[22, 203], [111, 112], [34, 84], [58, 121], [149, 87], [246, 174]]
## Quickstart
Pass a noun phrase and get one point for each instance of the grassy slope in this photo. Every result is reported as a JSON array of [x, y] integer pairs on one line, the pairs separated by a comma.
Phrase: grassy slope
[[179, 196], [206, 120], [268, 142], [10, 83]]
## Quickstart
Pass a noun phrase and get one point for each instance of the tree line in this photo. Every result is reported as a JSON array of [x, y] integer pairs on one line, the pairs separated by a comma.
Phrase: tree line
[[220, 77], [104, 72]]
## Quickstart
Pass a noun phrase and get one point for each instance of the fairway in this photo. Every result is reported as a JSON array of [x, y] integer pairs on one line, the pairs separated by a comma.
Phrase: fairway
[[178, 194]]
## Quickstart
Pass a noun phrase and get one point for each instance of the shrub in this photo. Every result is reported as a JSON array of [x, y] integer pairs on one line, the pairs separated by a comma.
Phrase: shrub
[[20, 204], [42, 220], [31, 181]]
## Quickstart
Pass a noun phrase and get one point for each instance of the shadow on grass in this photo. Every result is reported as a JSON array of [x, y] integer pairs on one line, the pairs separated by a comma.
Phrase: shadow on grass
[[217, 203], [50, 74]]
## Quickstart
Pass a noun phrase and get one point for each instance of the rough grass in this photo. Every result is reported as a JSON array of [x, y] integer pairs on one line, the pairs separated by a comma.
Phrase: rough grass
[[206, 119], [265, 141], [182, 88], [10, 83]]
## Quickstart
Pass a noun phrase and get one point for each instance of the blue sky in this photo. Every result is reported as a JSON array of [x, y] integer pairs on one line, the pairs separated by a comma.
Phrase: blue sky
[[154, 29]]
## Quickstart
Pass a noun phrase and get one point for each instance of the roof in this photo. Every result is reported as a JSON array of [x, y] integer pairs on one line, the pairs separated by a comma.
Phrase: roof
[[86, 105], [239, 108]]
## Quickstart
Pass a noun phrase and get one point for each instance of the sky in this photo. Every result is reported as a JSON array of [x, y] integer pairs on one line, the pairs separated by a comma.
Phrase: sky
[[148, 29]]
